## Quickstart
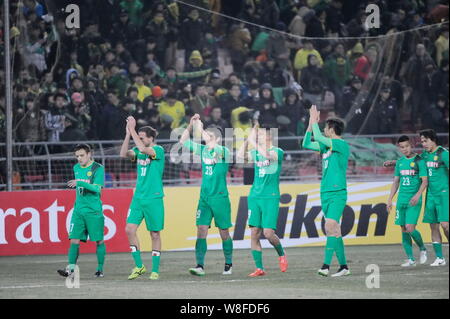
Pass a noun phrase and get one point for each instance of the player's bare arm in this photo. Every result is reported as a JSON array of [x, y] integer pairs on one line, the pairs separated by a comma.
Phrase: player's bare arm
[[250, 140], [125, 152], [131, 124], [415, 199], [394, 189]]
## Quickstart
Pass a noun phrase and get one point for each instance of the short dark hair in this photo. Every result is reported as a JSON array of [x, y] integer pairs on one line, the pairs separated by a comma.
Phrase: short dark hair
[[85, 147], [149, 131], [403, 138], [337, 125], [57, 95], [429, 133]]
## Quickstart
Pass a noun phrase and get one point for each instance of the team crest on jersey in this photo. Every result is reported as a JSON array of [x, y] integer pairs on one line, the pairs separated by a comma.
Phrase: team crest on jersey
[[412, 164], [89, 173], [435, 158]]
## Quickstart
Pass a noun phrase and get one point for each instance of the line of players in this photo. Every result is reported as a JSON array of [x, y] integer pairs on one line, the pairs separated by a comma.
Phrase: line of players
[[413, 174]]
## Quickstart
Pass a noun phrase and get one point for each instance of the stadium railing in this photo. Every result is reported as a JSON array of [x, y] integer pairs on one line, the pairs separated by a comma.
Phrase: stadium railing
[[47, 165]]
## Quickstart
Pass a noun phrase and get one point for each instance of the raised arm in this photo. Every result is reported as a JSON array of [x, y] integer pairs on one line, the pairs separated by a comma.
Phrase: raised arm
[[125, 152], [250, 140], [314, 146], [131, 123]]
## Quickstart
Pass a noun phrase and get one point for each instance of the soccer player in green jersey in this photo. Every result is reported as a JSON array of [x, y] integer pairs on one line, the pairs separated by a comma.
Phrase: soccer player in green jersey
[[214, 199], [147, 200], [411, 178], [436, 203], [333, 189], [264, 197], [87, 217]]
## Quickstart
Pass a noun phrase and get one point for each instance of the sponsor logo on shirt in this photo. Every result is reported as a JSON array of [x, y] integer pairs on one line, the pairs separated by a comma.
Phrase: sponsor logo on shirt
[[408, 172], [143, 162], [209, 161], [433, 164], [263, 163]]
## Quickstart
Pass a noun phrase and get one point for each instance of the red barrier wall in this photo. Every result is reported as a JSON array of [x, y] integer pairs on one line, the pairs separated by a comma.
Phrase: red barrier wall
[[36, 222]]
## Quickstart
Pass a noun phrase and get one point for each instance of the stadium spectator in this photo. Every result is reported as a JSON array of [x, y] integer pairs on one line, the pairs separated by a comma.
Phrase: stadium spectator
[[413, 77], [313, 81], [216, 120], [79, 110], [231, 100], [174, 108], [386, 115], [239, 42], [437, 116], [71, 132], [31, 127], [301, 57], [267, 107], [203, 103], [294, 109], [54, 118], [192, 31], [277, 47]]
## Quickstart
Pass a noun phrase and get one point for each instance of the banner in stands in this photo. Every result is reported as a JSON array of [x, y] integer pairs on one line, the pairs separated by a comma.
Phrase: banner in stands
[[36, 222]]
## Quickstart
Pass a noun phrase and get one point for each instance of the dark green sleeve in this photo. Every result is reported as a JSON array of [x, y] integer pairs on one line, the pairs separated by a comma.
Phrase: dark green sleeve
[[90, 187], [445, 158], [193, 147], [99, 176], [314, 146], [319, 137], [159, 152]]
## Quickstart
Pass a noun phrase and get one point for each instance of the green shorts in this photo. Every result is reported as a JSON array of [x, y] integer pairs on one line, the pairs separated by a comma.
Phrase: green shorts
[[436, 208], [150, 209], [84, 224], [333, 204], [217, 208], [263, 212], [406, 214]]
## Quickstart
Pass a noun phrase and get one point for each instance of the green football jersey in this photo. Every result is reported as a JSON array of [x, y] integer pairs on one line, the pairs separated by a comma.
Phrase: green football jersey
[[410, 171], [150, 171], [334, 165], [437, 170], [86, 200], [266, 183], [214, 168]]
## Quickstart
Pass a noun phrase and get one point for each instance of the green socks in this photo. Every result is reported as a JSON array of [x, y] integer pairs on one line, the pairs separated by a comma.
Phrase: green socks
[[227, 246], [73, 255], [407, 245], [156, 256], [329, 249], [438, 249], [101, 252], [200, 251], [418, 239], [136, 256], [340, 251], [279, 249], [257, 257]]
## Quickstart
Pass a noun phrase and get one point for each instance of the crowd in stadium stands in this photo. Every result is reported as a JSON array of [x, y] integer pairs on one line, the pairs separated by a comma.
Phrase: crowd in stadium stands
[[163, 61]]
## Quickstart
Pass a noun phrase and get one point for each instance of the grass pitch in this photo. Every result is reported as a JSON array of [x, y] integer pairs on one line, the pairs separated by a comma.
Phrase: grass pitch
[[36, 277]]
